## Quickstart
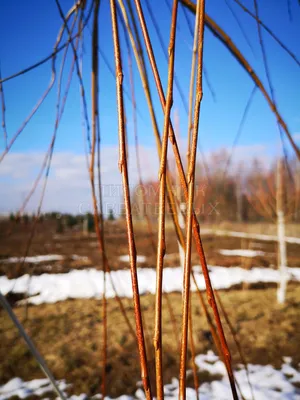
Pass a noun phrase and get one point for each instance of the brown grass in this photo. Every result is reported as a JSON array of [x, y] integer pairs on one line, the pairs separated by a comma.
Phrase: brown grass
[[68, 334]]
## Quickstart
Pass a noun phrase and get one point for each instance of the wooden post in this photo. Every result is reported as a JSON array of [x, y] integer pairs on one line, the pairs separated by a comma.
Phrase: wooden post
[[281, 291]]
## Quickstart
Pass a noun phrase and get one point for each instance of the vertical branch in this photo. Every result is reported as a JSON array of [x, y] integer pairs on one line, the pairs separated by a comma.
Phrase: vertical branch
[[238, 345], [192, 82], [130, 233], [269, 31], [240, 26], [205, 72], [227, 41], [189, 218], [78, 71], [95, 135], [196, 231], [239, 131], [165, 52], [268, 73], [162, 203], [48, 157], [143, 75], [138, 163], [51, 84], [3, 112], [192, 346]]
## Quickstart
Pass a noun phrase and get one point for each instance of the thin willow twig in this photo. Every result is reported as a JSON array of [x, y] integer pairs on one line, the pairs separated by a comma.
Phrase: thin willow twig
[[40, 101], [139, 170], [158, 142], [239, 25], [161, 249], [3, 111], [239, 131], [48, 157], [270, 32], [57, 49], [213, 331], [193, 352], [95, 134], [113, 74], [130, 233], [34, 351], [165, 52], [78, 71], [269, 79], [192, 85], [183, 182], [46, 164], [191, 186], [59, 116], [238, 345], [227, 41], [144, 78], [205, 72], [51, 84]]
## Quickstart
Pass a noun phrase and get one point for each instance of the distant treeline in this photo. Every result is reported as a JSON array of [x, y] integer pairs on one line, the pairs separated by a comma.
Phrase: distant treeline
[[244, 192]]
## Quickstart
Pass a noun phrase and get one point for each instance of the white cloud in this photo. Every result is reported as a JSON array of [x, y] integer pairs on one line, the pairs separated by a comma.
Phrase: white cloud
[[68, 186]]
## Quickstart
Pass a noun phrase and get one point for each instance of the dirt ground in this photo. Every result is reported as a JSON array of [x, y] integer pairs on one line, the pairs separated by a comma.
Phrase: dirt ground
[[69, 333], [14, 239]]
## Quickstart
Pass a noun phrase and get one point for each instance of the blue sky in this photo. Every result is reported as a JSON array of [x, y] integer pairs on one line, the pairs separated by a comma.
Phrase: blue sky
[[28, 31]]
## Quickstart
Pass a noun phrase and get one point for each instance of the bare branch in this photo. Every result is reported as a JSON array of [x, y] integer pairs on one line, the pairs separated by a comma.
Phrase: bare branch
[[130, 233]]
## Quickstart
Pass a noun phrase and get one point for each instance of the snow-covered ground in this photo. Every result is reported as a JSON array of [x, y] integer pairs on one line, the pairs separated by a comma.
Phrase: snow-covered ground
[[40, 259], [88, 283], [267, 383], [241, 252], [139, 259], [258, 236]]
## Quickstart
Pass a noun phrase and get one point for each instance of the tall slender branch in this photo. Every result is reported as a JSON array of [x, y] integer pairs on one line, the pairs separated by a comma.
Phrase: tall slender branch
[[191, 186], [239, 131], [98, 219], [192, 83], [196, 231], [124, 171], [139, 170], [238, 345], [239, 25], [3, 108], [165, 52], [270, 32], [144, 78], [57, 49], [78, 71], [227, 41], [193, 352], [161, 249], [205, 72]]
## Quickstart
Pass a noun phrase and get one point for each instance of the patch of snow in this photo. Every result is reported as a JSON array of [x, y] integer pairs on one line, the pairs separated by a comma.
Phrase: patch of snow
[[271, 238], [40, 259], [267, 383], [34, 259], [21, 389], [75, 257], [241, 252], [88, 283], [139, 259]]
